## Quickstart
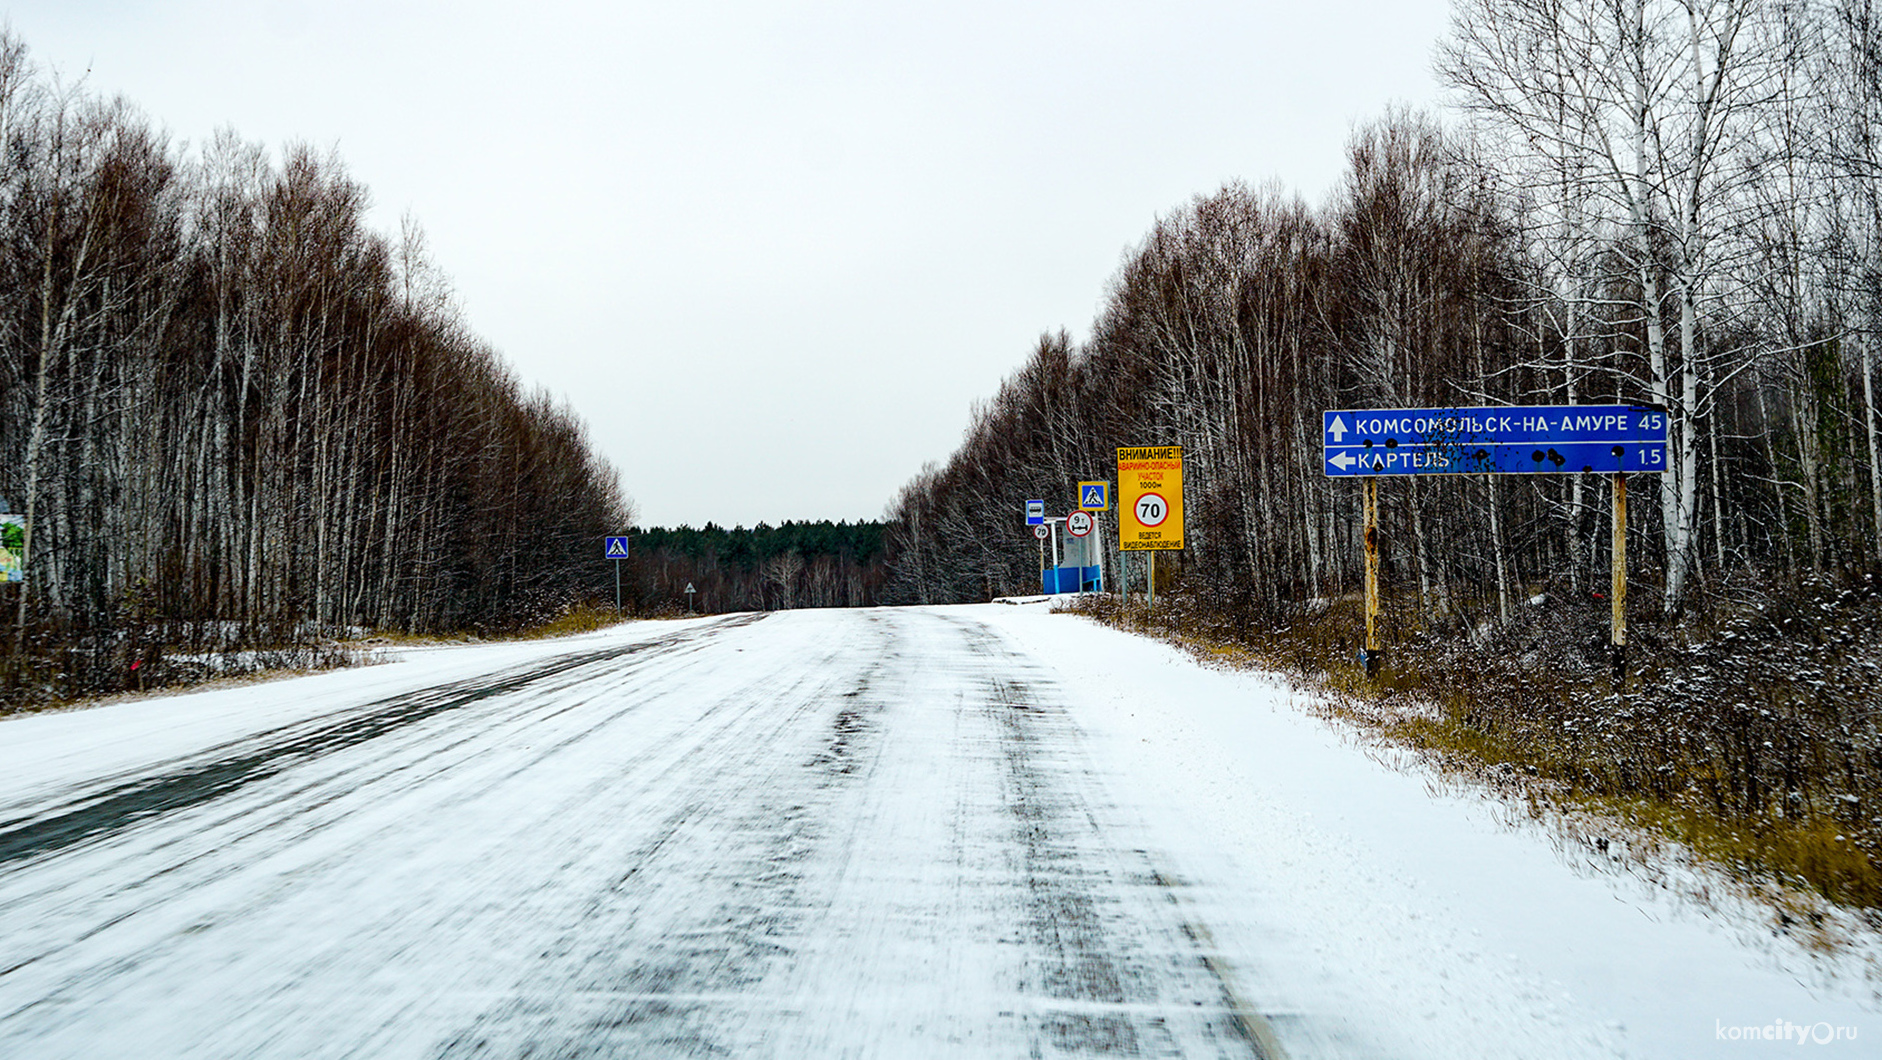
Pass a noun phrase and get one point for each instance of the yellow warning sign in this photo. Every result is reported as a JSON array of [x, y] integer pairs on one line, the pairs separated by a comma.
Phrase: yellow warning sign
[[1150, 498]]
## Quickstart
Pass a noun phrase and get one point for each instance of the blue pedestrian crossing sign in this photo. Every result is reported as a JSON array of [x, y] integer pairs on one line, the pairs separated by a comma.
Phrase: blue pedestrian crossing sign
[[1094, 496], [617, 548]]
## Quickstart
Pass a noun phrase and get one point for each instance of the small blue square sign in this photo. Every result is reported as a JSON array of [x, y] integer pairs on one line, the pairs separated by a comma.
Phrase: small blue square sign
[[1035, 513], [617, 548]]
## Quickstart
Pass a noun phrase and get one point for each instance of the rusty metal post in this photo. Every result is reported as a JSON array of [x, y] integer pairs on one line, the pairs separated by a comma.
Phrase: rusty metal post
[[1617, 593], [1372, 654]]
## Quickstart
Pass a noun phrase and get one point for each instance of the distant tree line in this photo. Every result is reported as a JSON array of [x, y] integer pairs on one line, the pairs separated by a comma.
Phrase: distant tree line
[[236, 416], [1656, 202], [765, 568]]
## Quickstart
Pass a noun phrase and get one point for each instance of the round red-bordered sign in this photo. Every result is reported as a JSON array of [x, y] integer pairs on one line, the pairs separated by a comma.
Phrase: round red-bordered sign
[[1078, 524], [1152, 509]]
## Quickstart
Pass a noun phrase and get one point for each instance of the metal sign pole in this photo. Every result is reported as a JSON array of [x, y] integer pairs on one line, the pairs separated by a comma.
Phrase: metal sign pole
[[1372, 652], [614, 547], [1150, 584], [1617, 637]]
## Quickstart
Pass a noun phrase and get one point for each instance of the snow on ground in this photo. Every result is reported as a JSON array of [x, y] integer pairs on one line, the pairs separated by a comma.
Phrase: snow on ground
[[45, 753], [1347, 889], [975, 831]]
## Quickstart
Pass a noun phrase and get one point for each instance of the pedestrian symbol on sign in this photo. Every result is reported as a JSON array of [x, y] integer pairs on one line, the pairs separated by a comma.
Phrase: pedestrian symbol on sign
[[617, 548]]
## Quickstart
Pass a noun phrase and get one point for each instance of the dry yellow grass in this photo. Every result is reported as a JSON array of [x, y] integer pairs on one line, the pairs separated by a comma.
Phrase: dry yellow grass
[[1516, 734]]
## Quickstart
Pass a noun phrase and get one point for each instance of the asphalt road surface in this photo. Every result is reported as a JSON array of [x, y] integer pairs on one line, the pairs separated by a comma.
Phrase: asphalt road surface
[[813, 834]]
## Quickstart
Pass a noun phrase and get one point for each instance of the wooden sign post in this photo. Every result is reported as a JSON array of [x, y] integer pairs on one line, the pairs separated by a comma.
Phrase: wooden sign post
[[1373, 653], [1617, 593], [1496, 440]]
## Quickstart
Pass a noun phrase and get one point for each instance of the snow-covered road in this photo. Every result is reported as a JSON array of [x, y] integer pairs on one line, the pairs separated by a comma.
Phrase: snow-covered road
[[916, 832]]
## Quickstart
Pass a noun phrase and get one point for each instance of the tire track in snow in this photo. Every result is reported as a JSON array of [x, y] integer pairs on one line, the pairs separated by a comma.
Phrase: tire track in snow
[[160, 856], [665, 969], [103, 814], [1074, 867], [763, 917], [880, 837]]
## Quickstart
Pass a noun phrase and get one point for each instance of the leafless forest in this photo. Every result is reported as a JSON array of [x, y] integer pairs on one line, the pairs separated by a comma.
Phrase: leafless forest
[[235, 418], [1637, 201], [1666, 202]]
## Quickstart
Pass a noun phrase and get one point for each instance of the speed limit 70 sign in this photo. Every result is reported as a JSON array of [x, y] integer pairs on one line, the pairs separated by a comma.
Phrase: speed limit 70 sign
[[1152, 509], [1150, 498]]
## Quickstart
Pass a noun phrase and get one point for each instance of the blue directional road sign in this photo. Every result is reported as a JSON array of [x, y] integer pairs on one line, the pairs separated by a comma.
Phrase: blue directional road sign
[[1502, 440], [617, 548], [1035, 513]]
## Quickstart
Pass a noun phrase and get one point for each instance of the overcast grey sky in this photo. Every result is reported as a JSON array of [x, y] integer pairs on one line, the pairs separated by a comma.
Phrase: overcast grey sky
[[770, 251]]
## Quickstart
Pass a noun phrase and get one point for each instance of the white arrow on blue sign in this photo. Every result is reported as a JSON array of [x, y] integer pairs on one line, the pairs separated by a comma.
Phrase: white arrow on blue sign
[[617, 548], [1498, 440]]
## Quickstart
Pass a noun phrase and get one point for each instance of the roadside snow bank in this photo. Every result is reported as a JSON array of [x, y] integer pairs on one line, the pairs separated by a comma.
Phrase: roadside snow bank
[[42, 754], [1368, 910]]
